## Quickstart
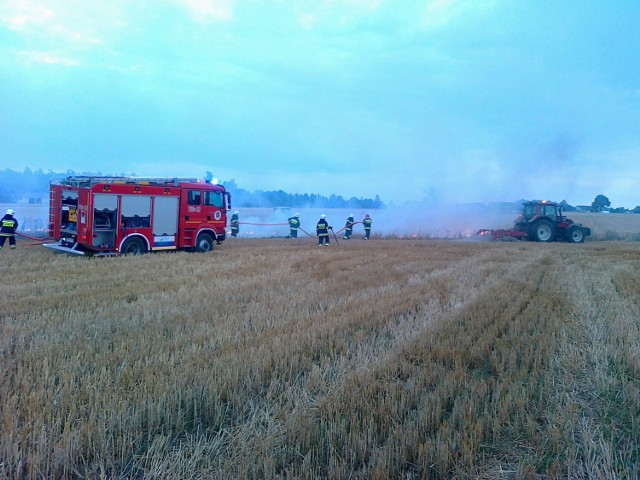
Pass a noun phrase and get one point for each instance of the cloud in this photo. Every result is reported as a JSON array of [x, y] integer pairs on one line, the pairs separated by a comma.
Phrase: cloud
[[439, 13], [208, 10], [56, 24], [24, 14], [330, 13], [47, 57]]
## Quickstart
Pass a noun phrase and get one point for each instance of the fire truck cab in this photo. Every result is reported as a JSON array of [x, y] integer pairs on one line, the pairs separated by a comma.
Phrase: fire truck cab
[[125, 215]]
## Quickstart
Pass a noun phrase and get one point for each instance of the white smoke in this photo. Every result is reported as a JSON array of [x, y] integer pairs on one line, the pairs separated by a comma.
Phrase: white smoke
[[415, 221]]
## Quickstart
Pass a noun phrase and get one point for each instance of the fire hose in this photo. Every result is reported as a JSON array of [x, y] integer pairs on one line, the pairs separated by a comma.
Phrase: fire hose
[[345, 227], [38, 240], [299, 228], [334, 235], [41, 240], [262, 224], [272, 225]]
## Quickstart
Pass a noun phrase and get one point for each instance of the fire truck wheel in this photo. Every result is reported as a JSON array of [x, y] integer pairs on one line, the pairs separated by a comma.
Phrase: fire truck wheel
[[204, 243], [132, 246]]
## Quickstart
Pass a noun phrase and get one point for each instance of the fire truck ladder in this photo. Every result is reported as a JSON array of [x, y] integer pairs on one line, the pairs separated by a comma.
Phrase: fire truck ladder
[[52, 207], [87, 181]]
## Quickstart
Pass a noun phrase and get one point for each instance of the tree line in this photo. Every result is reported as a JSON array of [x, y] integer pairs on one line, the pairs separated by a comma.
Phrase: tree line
[[279, 198], [17, 186]]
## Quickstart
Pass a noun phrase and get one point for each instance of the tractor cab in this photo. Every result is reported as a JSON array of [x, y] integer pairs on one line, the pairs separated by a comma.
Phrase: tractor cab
[[534, 210]]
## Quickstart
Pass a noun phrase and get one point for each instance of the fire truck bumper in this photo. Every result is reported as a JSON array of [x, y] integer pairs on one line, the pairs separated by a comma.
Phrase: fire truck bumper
[[62, 248]]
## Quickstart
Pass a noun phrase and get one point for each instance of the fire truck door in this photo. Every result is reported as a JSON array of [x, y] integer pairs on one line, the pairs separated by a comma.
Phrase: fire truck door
[[194, 213]]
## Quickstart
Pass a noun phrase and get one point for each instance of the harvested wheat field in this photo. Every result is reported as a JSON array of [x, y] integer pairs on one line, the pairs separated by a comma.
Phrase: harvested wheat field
[[273, 358]]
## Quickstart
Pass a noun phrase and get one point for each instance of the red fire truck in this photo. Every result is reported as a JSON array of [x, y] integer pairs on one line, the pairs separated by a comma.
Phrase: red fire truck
[[123, 215]]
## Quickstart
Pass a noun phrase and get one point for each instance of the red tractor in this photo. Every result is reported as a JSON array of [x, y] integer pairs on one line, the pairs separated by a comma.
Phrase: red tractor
[[541, 221]]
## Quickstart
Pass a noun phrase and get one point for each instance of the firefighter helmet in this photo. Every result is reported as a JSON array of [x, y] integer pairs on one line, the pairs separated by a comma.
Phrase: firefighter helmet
[[297, 215], [10, 211], [236, 212], [323, 216]]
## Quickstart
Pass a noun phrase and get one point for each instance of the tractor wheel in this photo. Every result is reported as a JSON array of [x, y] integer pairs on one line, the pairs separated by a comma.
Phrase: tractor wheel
[[133, 246], [204, 243], [575, 235], [543, 231]]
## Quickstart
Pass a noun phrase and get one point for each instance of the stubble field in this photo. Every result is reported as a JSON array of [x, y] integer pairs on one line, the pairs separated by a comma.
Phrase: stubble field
[[274, 358]]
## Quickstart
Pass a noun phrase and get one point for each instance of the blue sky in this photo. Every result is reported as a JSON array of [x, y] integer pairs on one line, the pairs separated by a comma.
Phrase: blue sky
[[454, 100]]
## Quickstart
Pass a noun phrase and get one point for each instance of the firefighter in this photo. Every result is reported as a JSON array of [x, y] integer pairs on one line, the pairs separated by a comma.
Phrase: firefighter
[[8, 229], [367, 226], [294, 224], [322, 230], [235, 224], [348, 227]]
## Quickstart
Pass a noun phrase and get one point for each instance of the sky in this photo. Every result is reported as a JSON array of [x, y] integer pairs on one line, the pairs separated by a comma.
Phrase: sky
[[450, 101]]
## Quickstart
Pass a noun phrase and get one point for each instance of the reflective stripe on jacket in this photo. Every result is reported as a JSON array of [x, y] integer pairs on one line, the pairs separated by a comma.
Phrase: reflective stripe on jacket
[[322, 228], [9, 225], [294, 223]]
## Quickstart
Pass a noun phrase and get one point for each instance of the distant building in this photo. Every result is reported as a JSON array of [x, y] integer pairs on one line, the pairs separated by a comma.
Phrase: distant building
[[583, 208], [32, 198]]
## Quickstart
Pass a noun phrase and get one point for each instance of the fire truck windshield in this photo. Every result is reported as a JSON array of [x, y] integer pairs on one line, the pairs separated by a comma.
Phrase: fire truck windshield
[[214, 199]]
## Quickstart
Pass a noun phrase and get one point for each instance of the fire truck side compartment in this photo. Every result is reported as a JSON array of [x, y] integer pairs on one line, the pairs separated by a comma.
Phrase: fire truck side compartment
[[165, 221], [105, 220]]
